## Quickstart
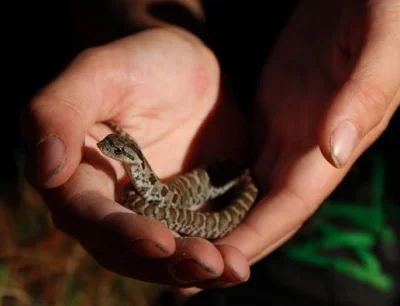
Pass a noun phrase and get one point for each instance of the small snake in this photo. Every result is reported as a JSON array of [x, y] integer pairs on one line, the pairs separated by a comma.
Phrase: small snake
[[174, 203]]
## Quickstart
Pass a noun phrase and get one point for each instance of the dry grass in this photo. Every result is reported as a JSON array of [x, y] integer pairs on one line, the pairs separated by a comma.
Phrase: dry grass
[[40, 266]]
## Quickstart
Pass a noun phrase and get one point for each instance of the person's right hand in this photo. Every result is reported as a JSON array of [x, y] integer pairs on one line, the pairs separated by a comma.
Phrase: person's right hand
[[163, 87]]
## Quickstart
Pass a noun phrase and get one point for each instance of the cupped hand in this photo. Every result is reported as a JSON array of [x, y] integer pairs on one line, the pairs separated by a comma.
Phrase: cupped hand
[[163, 87], [328, 91]]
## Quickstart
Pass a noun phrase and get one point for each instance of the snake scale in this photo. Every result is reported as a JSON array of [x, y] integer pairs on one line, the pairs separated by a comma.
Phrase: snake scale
[[175, 203]]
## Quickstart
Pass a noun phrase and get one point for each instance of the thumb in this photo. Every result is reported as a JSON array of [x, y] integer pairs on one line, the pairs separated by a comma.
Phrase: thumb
[[54, 122], [362, 108], [145, 67]]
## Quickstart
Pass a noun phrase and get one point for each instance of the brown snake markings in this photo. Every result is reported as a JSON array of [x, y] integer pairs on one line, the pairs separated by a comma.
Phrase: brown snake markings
[[174, 203]]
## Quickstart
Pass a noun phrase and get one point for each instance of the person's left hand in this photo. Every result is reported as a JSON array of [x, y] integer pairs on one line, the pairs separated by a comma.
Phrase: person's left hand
[[327, 93], [162, 86]]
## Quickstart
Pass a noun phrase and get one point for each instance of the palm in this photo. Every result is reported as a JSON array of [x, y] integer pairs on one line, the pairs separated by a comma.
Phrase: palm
[[174, 142], [177, 126], [291, 105], [161, 86], [297, 86], [297, 83]]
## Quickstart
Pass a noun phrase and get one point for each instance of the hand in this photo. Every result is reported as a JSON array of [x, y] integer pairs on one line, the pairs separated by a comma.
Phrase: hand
[[161, 86], [327, 93]]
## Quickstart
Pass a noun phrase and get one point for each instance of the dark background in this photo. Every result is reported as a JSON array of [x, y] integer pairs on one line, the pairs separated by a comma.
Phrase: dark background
[[41, 37]]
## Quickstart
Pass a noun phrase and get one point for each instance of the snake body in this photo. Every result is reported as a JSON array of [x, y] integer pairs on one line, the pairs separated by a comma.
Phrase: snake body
[[174, 203]]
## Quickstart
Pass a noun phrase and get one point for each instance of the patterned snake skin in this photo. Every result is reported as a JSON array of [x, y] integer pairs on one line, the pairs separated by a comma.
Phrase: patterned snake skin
[[174, 203]]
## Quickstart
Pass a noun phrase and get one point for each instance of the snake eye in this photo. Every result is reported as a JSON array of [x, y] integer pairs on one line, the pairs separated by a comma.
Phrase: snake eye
[[118, 151]]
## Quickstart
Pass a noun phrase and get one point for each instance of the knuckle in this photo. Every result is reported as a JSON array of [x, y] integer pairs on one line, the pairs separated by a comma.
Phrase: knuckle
[[93, 54], [306, 208], [47, 100], [371, 104], [95, 63]]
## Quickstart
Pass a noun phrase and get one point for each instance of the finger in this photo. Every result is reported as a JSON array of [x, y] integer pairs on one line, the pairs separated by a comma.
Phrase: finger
[[128, 265], [104, 82], [187, 266], [289, 203], [363, 106], [55, 121], [129, 233], [236, 266], [111, 231], [236, 271], [88, 210], [195, 260], [274, 245]]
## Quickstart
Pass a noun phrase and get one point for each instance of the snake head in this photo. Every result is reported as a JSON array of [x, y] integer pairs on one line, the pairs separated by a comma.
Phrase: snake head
[[121, 148]]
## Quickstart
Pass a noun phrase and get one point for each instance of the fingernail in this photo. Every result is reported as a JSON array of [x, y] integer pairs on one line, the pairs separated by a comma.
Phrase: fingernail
[[143, 247], [191, 270], [344, 139], [50, 154], [238, 275]]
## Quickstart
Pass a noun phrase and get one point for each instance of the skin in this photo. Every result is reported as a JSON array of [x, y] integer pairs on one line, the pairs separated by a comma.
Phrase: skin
[[335, 61], [130, 82]]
